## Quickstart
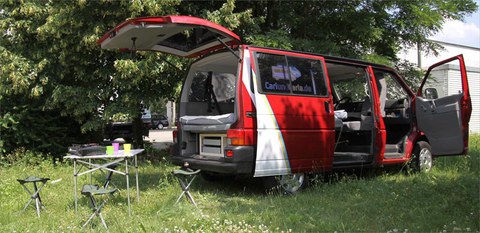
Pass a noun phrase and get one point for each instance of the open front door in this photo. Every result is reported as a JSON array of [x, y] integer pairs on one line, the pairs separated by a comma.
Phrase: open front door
[[183, 36], [443, 107]]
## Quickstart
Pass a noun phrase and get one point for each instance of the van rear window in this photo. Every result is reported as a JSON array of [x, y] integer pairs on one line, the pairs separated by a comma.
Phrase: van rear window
[[291, 75], [222, 85]]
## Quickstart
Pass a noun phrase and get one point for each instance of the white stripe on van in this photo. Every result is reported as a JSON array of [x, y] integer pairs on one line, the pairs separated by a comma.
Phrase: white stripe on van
[[246, 74], [272, 156]]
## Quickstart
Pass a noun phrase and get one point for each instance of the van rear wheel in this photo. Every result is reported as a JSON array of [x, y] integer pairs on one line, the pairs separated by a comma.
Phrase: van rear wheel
[[285, 184], [291, 184]]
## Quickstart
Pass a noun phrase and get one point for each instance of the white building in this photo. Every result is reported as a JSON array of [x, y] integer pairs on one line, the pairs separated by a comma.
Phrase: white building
[[447, 75]]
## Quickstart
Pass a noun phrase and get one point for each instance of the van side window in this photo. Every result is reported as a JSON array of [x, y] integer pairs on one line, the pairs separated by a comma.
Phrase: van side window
[[291, 75], [273, 73]]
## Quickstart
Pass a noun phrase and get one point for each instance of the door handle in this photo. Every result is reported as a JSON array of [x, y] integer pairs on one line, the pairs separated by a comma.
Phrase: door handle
[[327, 106], [432, 106]]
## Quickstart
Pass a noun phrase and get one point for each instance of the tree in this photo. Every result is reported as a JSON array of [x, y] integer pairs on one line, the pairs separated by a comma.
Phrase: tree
[[353, 28], [57, 86], [53, 68]]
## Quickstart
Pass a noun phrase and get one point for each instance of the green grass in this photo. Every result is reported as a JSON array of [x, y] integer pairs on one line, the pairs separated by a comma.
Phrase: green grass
[[444, 200]]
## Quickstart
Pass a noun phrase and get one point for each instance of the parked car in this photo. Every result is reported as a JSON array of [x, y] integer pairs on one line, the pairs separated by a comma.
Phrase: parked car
[[147, 119], [124, 130], [159, 121], [264, 112]]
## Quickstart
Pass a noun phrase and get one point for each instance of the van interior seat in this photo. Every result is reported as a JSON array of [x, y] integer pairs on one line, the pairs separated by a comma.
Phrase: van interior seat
[[339, 116], [366, 120]]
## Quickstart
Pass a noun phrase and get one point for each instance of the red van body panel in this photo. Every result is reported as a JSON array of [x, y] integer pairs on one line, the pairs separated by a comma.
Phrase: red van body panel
[[379, 126]]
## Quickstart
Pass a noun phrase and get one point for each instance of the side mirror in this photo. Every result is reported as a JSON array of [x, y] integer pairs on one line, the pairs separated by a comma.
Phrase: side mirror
[[431, 93]]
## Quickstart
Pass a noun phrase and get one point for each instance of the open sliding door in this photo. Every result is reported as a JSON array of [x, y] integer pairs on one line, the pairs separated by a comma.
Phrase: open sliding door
[[294, 113]]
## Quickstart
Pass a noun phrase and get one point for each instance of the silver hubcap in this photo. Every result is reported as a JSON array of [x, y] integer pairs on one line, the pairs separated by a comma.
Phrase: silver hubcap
[[425, 160], [292, 183]]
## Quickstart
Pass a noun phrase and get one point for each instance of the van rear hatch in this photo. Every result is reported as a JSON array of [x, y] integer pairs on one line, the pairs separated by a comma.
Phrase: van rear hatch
[[184, 36]]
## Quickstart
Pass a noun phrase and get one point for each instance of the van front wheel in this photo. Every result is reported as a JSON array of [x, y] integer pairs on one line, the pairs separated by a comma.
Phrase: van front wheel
[[422, 157]]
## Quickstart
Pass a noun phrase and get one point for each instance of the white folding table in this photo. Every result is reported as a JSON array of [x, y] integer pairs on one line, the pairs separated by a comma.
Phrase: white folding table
[[102, 162]]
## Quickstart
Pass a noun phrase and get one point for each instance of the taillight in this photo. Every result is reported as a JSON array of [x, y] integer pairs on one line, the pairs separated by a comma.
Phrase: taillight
[[175, 132], [236, 137], [174, 135]]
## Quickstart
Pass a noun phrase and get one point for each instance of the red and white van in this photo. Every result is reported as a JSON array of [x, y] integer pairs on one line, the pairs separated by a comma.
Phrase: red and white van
[[261, 112]]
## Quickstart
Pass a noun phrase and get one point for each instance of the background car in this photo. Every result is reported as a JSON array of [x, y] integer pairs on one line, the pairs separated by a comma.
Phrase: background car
[[159, 121], [147, 119]]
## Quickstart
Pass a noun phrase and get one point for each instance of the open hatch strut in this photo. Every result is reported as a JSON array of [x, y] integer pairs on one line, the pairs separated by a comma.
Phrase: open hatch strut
[[229, 49]]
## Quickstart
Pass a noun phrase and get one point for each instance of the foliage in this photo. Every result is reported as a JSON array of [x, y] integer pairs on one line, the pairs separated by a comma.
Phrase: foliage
[[352, 28], [411, 73], [159, 107], [53, 70], [56, 69], [154, 155], [444, 200], [22, 157]]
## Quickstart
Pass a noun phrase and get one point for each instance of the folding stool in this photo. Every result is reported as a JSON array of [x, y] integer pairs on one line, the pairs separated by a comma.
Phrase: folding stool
[[108, 178], [36, 191], [92, 190], [186, 177]]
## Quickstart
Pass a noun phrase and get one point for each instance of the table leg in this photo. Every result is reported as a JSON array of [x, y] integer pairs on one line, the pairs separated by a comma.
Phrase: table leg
[[75, 183], [128, 186], [136, 176], [91, 181]]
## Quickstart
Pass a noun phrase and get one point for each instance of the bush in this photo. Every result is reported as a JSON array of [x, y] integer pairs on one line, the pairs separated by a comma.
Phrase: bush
[[155, 155], [22, 156]]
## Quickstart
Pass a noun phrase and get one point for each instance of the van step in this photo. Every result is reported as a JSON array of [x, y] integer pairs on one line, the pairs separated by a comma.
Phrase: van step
[[343, 158], [392, 148], [393, 155]]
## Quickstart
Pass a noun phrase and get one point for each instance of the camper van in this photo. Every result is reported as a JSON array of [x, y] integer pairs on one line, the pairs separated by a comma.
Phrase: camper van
[[264, 112]]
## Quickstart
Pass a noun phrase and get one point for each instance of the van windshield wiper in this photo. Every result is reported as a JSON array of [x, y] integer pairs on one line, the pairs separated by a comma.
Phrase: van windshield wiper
[[229, 49]]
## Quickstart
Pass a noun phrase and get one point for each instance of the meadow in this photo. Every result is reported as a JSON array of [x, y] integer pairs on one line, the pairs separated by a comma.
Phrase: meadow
[[447, 199]]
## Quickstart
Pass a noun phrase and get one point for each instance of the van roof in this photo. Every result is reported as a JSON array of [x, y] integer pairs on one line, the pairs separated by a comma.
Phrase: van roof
[[331, 58]]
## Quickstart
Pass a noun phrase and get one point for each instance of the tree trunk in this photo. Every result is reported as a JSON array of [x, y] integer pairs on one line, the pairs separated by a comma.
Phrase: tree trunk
[[138, 128]]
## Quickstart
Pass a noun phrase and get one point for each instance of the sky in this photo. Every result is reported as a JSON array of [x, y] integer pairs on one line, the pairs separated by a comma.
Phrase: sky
[[463, 33]]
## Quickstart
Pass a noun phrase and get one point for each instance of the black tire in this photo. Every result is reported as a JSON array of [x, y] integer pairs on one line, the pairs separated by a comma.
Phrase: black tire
[[422, 157]]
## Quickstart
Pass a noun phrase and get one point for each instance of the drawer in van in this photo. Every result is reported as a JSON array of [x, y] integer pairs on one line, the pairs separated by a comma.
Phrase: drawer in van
[[212, 144]]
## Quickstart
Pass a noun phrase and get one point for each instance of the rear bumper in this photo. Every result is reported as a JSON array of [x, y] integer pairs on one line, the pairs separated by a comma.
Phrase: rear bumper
[[242, 161]]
